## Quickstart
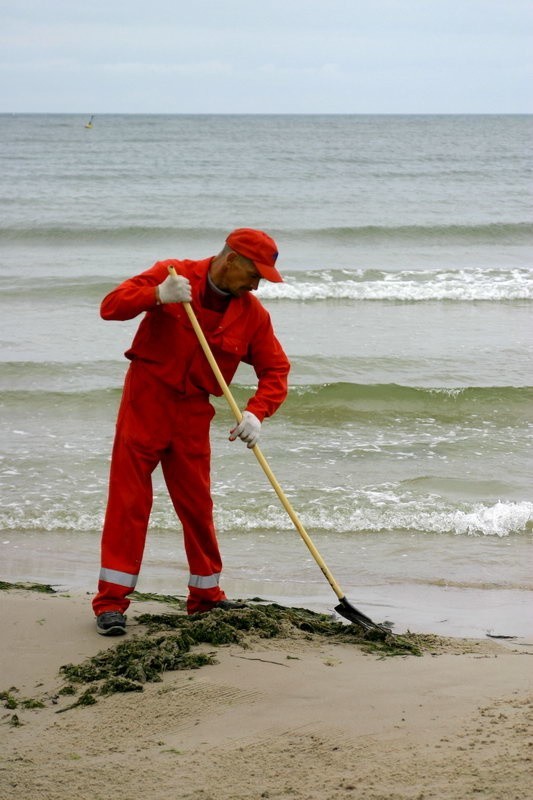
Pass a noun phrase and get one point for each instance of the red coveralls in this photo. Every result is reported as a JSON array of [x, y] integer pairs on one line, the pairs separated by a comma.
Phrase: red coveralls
[[165, 416]]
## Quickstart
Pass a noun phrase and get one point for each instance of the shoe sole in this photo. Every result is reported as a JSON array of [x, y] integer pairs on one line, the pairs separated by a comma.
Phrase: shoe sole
[[115, 630]]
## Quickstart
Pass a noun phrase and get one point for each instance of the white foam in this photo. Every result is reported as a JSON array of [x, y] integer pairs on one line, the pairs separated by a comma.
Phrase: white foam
[[500, 519], [406, 285], [382, 513], [370, 510]]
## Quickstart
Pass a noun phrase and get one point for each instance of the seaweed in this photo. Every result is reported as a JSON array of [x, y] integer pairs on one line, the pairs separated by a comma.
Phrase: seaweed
[[8, 699], [220, 626], [86, 699], [140, 660], [11, 702], [67, 690], [33, 587], [117, 683], [166, 645], [30, 702], [167, 641], [170, 599]]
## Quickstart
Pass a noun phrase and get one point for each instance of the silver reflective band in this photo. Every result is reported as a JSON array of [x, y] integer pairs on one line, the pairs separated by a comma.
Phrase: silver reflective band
[[204, 581], [120, 578]]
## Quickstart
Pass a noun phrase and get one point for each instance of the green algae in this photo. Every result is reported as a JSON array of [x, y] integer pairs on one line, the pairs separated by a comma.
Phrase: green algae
[[8, 699], [170, 642], [33, 587], [30, 702], [85, 699], [139, 660], [11, 702], [219, 626], [169, 638], [67, 690], [117, 683], [144, 597], [272, 620]]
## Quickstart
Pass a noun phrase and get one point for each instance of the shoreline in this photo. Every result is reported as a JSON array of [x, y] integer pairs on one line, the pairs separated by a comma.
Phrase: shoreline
[[304, 718], [472, 608]]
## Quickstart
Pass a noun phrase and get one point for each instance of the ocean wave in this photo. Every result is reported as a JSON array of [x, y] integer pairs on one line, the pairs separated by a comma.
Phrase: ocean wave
[[457, 285], [405, 286], [500, 519], [501, 232], [481, 233], [311, 403], [345, 400], [80, 234], [24, 381]]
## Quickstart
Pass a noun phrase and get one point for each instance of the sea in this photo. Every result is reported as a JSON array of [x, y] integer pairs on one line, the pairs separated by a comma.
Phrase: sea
[[404, 447]]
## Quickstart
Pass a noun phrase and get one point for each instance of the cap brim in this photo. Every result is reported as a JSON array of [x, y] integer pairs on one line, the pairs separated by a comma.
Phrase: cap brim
[[268, 272]]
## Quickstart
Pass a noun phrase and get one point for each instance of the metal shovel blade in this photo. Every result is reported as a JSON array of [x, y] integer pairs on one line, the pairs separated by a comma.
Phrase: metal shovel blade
[[349, 612]]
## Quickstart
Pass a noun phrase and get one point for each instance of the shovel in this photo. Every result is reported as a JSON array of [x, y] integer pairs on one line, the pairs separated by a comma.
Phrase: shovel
[[344, 608]]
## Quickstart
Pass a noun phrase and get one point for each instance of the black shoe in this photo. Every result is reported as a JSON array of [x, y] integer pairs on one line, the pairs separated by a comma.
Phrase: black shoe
[[230, 605], [111, 623]]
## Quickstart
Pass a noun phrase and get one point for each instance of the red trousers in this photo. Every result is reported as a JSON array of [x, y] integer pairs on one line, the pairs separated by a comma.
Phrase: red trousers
[[157, 425]]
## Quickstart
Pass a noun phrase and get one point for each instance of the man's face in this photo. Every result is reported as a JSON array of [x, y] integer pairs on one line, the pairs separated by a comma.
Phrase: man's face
[[240, 275]]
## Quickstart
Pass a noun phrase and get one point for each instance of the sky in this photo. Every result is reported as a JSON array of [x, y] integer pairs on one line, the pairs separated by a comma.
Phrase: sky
[[266, 56]]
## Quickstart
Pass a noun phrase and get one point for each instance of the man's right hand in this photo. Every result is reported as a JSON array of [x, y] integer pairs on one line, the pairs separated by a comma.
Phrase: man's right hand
[[174, 289]]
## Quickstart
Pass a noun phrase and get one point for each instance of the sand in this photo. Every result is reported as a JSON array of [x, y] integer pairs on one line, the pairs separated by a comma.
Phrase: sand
[[285, 718]]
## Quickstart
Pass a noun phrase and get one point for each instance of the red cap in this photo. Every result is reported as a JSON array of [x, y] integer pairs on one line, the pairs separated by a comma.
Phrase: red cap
[[259, 248]]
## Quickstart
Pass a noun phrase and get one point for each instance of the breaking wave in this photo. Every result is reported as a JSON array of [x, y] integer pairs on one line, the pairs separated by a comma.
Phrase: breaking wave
[[452, 285], [462, 285], [500, 519]]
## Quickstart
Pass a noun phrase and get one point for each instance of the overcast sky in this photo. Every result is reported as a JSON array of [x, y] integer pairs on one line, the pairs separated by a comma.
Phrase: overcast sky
[[266, 56]]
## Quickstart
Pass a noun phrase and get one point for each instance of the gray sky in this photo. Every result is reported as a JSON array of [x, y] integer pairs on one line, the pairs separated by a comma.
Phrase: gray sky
[[266, 56]]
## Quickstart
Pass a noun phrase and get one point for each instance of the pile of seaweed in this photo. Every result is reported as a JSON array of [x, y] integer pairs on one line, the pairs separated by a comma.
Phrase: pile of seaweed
[[169, 638]]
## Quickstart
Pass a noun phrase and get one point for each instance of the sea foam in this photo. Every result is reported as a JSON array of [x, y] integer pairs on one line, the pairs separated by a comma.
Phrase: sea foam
[[500, 519], [406, 285]]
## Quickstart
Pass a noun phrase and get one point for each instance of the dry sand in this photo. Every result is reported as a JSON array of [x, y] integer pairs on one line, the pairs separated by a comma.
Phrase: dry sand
[[286, 718]]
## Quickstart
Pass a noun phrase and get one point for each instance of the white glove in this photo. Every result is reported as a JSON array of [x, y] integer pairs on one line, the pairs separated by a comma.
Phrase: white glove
[[174, 289], [248, 429]]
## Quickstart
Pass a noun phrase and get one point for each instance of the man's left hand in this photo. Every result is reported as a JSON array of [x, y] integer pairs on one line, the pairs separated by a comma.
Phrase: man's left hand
[[248, 429]]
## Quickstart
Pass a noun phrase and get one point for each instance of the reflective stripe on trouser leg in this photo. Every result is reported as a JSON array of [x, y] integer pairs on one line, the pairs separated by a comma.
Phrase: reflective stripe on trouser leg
[[204, 581], [114, 586], [119, 578]]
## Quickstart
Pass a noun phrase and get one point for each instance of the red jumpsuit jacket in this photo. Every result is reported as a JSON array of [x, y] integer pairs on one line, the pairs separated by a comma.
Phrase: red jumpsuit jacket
[[168, 347]]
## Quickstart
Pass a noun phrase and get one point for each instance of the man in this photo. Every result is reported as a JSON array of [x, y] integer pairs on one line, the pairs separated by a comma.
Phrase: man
[[165, 413]]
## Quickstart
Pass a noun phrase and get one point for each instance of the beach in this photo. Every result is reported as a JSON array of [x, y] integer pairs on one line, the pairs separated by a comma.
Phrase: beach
[[404, 447], [296, 718]]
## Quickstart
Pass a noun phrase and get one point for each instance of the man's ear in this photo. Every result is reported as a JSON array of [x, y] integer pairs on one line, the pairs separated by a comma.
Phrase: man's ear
[[231, 257]]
